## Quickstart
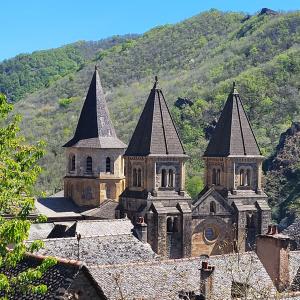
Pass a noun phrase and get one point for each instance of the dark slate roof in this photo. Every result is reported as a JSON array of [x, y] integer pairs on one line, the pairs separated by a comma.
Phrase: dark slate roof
[[102, 250], [106, 210], [58, 278], [233, 134], [94, 128], [166, 279], [155, 132]]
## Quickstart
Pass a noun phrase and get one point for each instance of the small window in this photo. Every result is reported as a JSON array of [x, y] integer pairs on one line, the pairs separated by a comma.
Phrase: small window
[[212, 208], [107, 166], [242, 177], [139, 178], [134, 175], [218, 179], [169, 225], [171, 178], [72, 162], [163, 178], [176, 224], [89, 165], [248, 177], [214, 176]]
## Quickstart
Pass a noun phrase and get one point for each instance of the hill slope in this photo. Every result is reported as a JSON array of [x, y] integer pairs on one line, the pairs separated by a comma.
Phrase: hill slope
[[196, 59]]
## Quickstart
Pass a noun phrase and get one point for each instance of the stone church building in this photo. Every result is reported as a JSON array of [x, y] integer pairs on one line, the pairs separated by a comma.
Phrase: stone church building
[[95, 170], [148, 177]]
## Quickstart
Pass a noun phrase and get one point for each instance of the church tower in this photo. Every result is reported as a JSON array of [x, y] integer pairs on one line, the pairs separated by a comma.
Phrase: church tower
[[95, 168], [155, 180], [233, 178]]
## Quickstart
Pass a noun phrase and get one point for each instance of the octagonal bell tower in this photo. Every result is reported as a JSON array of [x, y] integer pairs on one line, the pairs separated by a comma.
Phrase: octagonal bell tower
[[95, 168]]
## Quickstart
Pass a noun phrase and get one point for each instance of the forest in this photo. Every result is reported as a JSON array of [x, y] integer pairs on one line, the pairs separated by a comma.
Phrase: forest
[[197, 60]]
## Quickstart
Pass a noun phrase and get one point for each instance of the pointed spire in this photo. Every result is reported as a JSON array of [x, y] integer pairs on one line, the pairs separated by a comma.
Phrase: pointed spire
[[155, 132], [233, 134], [94, 128], [156, 84]]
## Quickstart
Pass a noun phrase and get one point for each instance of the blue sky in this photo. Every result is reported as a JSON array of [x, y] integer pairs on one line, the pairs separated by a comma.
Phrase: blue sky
[[29, 25]]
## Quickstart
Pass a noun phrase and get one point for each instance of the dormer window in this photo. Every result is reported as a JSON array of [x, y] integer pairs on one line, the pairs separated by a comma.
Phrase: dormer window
[[89, 165]]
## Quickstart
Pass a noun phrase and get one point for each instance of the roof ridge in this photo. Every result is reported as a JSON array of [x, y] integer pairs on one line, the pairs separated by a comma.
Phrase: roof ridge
[[65, 261], [169, 261]]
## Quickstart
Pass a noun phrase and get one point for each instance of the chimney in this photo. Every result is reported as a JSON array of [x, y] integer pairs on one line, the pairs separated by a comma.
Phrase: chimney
[[206, 279], [141, 229], [272, 249]]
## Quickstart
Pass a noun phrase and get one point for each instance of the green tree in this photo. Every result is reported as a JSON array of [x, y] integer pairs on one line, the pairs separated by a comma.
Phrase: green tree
[[18, 173]]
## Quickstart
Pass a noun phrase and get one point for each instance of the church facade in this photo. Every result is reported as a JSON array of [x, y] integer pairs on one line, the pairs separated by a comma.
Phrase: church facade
[[148, 177]]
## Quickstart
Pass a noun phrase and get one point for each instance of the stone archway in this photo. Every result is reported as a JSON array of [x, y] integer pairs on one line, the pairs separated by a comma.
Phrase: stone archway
[[212, 236]]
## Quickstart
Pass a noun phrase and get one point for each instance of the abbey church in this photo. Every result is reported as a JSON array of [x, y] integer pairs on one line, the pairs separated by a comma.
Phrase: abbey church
[[146, 179]]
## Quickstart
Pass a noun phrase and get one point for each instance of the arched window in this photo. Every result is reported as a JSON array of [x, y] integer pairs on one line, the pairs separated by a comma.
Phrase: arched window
[[89, 165], [212, 207], [134, 179], [248, 177], [171, 178], [176, 224], [72, 162], [169, 225], [214, 176], [163, 178], [242, 177], [107, 165], [139, 178], [218, 179]]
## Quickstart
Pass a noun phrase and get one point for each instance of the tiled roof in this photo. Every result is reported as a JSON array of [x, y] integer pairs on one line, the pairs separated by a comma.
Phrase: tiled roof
[[94, 128], [104, 227], [165, 279], [109, 249], [106, 210], [58, 278], [155, 132], [233, 134], [86, 228]]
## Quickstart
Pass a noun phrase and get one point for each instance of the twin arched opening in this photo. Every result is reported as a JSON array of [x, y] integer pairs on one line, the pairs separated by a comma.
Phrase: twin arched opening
[[245, 177], [216, 176], [137, 177], [167, 178]]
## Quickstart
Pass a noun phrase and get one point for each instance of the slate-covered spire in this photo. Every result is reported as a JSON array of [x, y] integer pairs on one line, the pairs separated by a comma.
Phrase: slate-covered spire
[[94, 128], [155, 133], [233, 134]]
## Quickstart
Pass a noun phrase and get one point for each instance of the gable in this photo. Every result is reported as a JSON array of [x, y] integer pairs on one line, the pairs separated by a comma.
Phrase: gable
[[203, 205]]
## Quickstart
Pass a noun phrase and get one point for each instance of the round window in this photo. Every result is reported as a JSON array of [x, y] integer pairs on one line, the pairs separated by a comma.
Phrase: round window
[[210, 234]]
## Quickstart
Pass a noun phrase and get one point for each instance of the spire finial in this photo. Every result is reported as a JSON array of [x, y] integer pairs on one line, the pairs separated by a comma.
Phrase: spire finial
[[234, 90], [156, 86], [96, 68]]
